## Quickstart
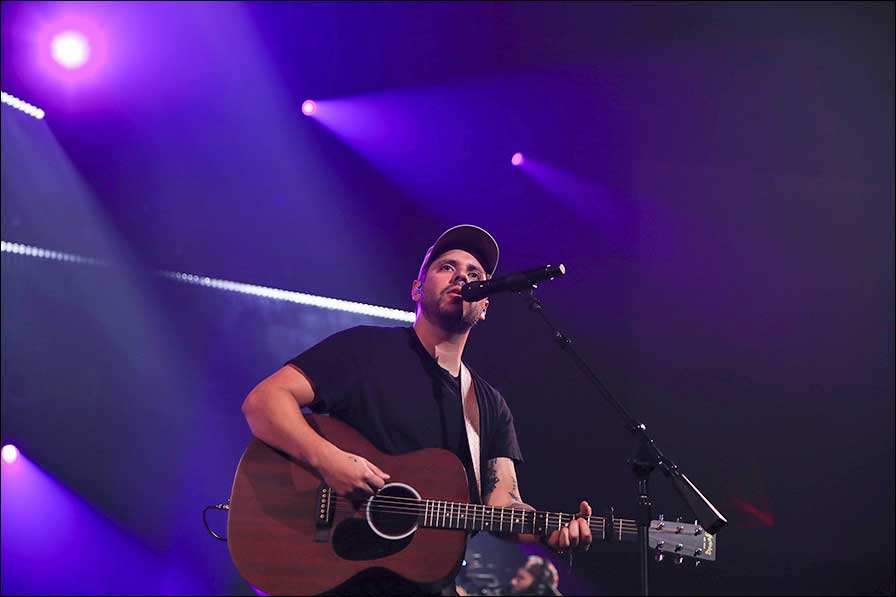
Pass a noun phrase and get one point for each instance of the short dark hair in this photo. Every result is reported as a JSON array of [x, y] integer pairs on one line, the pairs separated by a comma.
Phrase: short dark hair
[[543, 571]]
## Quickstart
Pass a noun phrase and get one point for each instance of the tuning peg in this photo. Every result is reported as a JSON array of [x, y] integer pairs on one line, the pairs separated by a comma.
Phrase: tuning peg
[[658, 556], [698, 551], [662, 522], [679, 560], [697, 563]]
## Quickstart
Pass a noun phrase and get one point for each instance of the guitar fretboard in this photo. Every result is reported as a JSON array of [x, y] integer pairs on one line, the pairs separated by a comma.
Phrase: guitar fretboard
[[476, 517]]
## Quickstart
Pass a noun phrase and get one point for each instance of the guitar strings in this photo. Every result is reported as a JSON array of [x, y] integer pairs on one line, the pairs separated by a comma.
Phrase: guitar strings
[[450, 521], [414, 506], [479, 522], [452, 509], [482, 509], [450, 512], [418, 502]]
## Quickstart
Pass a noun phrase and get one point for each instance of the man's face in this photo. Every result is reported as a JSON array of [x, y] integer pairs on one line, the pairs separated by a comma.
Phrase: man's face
[[439, 295], [521, 581]]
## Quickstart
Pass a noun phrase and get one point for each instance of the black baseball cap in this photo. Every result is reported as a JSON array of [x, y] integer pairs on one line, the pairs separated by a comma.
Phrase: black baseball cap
[[469, 238]]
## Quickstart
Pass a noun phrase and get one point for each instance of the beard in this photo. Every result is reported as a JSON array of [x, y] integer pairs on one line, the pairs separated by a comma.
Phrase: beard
[[452, 317]]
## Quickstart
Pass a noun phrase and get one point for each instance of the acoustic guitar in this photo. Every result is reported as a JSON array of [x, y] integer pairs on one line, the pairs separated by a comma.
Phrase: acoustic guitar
[[290, 534]]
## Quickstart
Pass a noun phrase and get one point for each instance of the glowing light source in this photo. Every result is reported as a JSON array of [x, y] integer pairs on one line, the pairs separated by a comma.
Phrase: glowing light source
[[272, 293], [309, 107], [70, 49], [10, 453], [517, 159], [18, 249], [73, 47], [295, 297], [13, 101]]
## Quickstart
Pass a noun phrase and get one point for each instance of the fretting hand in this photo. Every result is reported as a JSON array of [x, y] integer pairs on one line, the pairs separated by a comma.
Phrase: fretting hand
[[575, 535]]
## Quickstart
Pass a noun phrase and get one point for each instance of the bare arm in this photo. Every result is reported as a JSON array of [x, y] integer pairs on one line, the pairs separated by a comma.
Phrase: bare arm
[[273, 411], [499, 488]]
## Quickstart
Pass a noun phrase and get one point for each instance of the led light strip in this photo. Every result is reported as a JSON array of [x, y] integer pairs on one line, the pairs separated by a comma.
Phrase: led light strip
[[272, 293], [293, 297], [18, 249], [24, 106]]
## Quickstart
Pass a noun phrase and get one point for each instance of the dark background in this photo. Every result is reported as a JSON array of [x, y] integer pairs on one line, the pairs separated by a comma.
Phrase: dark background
[[717, 178]]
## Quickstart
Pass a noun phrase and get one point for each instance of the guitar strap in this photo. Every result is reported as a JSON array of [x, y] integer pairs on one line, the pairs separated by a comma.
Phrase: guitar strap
[[471, 420]]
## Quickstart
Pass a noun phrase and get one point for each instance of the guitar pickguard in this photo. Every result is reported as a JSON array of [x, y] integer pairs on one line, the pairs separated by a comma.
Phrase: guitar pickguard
[[353, 539]]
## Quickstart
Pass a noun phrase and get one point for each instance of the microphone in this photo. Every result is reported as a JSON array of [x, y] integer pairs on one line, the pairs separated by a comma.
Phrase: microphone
[[476, 291]]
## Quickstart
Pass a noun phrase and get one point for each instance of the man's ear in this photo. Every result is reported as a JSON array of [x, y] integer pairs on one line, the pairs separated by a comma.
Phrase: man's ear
[[416, 291], [482, 315]]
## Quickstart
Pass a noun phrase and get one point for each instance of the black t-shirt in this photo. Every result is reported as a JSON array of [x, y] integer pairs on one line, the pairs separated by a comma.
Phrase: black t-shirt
[[383, 382]]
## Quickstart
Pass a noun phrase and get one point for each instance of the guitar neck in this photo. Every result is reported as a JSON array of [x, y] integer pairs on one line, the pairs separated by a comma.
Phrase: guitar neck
[[476, 517]]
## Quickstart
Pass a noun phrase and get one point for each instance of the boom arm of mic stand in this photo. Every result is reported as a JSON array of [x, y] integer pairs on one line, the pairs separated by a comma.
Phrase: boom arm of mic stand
[[707, 514], [648, 455]]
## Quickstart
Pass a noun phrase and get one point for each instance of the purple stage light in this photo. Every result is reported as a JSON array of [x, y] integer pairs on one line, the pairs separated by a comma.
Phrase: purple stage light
[[309, 107], [517, 159], [70, 49], [73, 48], [10, 453]]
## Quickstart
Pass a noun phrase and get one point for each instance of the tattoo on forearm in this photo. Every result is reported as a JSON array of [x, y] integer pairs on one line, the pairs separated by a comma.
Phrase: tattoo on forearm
[[491, 479]]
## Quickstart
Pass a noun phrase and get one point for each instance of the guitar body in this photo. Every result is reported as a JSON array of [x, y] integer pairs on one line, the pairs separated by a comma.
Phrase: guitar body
[[274, 533]]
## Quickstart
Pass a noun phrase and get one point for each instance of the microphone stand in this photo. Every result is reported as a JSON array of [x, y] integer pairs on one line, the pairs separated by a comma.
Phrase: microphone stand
[[647, 457]]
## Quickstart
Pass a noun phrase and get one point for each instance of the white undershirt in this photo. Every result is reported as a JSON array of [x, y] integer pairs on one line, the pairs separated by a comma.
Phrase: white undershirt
[[471, 420]]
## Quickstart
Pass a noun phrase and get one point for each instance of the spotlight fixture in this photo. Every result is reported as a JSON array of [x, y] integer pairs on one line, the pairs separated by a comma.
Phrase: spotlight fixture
[[70, 49], [9, 453]]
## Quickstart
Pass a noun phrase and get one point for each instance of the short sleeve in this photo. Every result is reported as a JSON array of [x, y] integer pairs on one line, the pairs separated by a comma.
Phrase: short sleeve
[[333, 368], [503, 442]]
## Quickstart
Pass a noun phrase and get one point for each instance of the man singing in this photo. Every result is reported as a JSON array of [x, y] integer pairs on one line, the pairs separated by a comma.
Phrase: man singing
[[404, 389]]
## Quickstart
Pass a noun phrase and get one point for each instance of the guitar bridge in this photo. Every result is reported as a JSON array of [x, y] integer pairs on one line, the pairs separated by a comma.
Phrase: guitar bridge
[[323, 520]]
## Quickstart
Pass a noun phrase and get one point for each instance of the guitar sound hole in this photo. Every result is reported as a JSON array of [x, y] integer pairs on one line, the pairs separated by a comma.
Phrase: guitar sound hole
[[391, 518], [394, 512]]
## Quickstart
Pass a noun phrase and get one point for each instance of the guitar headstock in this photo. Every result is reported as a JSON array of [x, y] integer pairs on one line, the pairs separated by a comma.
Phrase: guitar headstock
[[681, 540]]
